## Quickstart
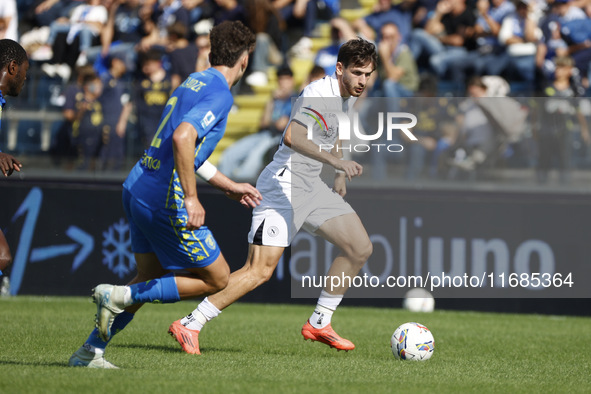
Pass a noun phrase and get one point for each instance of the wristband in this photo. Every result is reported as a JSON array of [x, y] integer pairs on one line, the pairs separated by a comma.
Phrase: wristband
[[206, 171]]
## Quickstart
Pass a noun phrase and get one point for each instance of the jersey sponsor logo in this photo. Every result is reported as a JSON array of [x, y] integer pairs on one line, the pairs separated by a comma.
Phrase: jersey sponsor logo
[[207, 119], [149, 162]]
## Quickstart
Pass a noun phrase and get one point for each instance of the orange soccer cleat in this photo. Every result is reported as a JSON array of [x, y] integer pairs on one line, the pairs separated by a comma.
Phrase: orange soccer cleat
[[326, 335], [188, 339]]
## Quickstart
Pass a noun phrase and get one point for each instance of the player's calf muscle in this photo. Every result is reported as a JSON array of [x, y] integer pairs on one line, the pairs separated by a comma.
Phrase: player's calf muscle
[[5, 257]]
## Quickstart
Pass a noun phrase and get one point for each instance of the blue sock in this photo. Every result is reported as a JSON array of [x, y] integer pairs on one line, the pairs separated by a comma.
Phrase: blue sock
[[121, 320], [161, 290]]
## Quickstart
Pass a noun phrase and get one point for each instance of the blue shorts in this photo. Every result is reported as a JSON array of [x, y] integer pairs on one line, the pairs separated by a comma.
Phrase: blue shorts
[[162, 231]]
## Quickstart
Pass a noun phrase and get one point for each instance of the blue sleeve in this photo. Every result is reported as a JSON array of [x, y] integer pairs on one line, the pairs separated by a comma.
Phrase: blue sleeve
[[212, 110]]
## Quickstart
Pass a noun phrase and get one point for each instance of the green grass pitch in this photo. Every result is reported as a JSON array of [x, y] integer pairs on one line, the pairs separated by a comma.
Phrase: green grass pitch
[[259, 348]]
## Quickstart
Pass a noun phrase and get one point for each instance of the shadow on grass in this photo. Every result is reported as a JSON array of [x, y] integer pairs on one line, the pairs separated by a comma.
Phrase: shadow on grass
[[35, 363], [174, 348]]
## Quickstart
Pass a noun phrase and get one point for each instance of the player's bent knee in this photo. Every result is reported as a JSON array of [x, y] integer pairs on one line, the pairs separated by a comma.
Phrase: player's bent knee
[[361, 252], [220, 281]]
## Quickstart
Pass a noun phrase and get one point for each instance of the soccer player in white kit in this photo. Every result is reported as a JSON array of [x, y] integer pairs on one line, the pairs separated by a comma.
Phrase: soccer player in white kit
[[295, 197]]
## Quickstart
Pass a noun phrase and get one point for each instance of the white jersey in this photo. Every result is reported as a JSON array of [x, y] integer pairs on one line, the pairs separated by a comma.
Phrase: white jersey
[[313, 106], [294, 196]]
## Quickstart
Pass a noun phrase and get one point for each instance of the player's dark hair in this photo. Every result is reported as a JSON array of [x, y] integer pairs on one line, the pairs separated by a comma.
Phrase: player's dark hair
[[357, 53], [229, 40], [11, 51]]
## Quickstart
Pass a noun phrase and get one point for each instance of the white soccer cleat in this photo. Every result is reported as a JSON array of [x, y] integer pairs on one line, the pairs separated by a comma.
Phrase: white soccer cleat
[[109, 303], [85, 358]]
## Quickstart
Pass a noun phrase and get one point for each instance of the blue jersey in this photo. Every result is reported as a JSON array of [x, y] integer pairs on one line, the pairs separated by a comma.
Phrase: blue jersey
[[203, 100]]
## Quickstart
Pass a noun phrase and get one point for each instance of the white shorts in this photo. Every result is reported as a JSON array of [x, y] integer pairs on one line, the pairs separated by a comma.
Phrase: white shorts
[[287, 207]]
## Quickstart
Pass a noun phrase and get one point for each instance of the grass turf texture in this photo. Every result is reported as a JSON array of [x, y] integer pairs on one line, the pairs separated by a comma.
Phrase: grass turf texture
[[259, 348]]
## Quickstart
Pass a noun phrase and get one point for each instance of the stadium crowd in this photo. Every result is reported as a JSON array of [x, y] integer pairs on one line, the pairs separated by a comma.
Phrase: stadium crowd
[[110, 65]]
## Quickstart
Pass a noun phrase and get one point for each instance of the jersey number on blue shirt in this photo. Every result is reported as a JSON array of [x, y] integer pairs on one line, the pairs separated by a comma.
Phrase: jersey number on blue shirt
[[171, 103]]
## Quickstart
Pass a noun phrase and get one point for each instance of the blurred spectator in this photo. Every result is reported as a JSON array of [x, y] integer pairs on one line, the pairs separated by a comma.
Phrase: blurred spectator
[[315, 74], [88, 126], [422, 11], [8, 20], [64, 145], [298, 14], [116, 106], [519, 32], [123, 31], [435, 130], [151, 94], [169, 12], [246, 157], [550, 46], [156, 18], [340, 32], [70, 39], [195, 9], [204, 47], [577, 35], [229, 10], [48, 11], [552, 132], [397, 68], [264, 20], [476, 141], [386, 12], [492, 58], [489, 57], [182, 54], [567, 10], [449, 34]]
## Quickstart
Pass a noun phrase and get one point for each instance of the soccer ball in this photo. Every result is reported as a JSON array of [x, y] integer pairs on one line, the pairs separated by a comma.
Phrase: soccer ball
[[412, 341], [418, 300]]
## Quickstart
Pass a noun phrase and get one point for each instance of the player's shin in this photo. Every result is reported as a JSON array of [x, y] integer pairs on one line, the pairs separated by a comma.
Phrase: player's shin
[[160, 290], [95, 344]]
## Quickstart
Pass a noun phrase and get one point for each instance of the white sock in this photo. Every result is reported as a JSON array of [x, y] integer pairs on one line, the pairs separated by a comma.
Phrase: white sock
[[327, 304], [204, 312], [127, 296]]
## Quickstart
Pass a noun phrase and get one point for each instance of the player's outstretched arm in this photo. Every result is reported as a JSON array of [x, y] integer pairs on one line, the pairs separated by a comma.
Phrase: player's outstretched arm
[[8, 164], [296, 138], [183, 146], [245, 193]]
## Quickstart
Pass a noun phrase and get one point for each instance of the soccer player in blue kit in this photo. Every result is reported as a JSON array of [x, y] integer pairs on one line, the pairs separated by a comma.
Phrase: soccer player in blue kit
[[14, 65], [177, 256]]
